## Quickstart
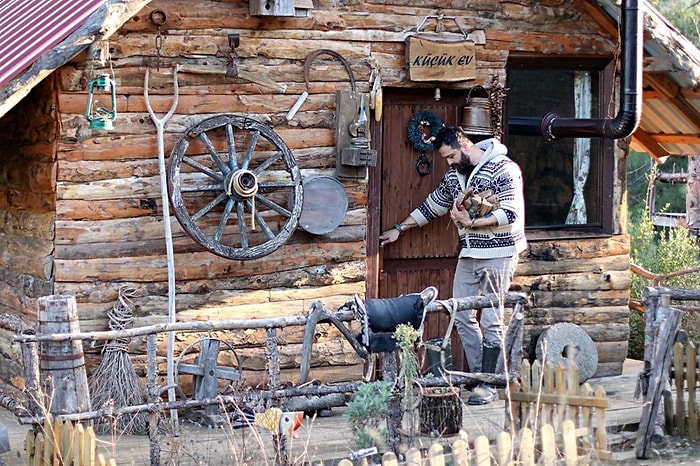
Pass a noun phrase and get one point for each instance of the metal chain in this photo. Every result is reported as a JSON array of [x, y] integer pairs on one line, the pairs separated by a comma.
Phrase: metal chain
[[159, 45], [159, 18]]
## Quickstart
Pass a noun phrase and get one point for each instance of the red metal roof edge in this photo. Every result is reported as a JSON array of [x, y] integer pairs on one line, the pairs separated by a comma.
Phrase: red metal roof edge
[[32, 27]]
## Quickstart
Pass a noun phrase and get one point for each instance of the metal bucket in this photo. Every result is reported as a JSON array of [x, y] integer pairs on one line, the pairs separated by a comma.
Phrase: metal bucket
[[62, 363], [476, 116], [324, 206]]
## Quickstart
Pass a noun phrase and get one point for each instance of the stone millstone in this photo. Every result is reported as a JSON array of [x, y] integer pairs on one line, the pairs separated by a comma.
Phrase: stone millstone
[[556, 344]]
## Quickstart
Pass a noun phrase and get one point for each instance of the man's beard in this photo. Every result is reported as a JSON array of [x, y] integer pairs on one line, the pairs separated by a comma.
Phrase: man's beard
[[464, 167]]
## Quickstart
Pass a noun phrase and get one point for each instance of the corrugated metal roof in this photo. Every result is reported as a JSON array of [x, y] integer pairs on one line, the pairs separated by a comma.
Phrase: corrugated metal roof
[[28, 28]]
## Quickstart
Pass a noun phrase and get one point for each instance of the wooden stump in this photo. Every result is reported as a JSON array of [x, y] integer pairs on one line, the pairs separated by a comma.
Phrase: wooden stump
[[62, 363], [440, 411]]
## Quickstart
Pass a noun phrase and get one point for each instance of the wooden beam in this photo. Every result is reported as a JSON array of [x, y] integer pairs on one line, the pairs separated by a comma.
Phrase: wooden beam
[[676, 138], [652, 147], [608, 24], [104, 22]]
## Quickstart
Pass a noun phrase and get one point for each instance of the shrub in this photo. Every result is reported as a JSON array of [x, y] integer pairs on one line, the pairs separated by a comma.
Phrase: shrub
[[661, 251], [366, 414]]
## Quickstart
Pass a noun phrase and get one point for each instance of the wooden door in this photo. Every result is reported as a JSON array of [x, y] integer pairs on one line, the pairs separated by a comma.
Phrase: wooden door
[[423, 256]]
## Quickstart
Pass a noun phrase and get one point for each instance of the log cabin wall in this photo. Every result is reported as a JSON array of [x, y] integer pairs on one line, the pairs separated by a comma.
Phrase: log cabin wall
[[28, 140], [108, 212]]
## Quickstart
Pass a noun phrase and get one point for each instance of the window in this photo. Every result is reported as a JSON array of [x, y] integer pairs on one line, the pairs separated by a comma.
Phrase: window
[[568, 182]]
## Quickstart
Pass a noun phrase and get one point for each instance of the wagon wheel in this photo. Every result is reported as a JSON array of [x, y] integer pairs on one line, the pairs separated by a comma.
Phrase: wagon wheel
[[214, 369], [235, 187]]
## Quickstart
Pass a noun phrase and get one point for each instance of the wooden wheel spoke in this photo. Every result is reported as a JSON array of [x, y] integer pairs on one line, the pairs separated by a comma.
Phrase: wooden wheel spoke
[[240, 214], [272, 205], [260, 221], [251, 147], [227, 373], [191, 369], [232, 161], [213, 152], [207, 208], [201, 168], [276, 184], [265, 165], [224, 219], [202, 188]]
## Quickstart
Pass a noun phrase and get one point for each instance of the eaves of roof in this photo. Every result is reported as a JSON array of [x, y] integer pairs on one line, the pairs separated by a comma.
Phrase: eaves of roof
[[39, 36], [28, 28], [670, 123]]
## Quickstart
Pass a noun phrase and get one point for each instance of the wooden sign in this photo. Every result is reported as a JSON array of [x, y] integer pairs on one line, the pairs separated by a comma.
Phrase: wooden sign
[[430, 60]]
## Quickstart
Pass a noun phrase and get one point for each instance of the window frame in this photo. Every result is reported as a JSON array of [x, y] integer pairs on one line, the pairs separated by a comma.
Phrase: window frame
[[605, 67]]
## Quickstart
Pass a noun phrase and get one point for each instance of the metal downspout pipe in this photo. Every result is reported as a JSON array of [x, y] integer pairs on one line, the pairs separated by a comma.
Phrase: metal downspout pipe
[[554, 127]]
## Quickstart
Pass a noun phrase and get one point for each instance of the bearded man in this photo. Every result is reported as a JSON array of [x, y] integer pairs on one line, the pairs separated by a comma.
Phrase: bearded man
[[490, 243]]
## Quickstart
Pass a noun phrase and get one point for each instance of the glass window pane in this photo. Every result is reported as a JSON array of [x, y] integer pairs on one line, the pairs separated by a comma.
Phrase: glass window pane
[[550, 168]]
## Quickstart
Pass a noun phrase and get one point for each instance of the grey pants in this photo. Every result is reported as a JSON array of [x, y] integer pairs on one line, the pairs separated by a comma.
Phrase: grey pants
[[475, 277]]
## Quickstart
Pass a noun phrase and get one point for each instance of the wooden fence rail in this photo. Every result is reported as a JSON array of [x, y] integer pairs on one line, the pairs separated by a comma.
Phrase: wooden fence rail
[[548, 395], [681, 416], [526, 449], [63, 443]]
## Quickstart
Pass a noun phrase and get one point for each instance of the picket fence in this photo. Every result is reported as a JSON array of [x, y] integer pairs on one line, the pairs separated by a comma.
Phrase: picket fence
[[552, 395], [524, 449], [63, 443], [681, 415]]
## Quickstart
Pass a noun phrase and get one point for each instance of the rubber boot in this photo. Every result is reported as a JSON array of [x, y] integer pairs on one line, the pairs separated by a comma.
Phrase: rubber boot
[[484, 393], [489, 360]]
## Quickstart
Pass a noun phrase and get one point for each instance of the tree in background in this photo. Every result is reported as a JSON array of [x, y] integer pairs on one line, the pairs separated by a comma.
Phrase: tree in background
[[684, 14]]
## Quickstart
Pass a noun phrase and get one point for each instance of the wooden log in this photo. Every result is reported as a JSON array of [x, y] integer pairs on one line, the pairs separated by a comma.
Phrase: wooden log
[[30, 255], [599, 280], [579, 299], [577, 248], [99, 292], [666, 326], [203, 264], [472, 302], [538, 316]]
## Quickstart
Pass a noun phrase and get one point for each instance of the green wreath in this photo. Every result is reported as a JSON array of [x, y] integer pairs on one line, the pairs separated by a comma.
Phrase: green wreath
[[417, 134]]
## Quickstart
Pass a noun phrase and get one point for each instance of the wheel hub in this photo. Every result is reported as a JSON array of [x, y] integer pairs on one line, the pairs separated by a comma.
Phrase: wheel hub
[[241, 184]]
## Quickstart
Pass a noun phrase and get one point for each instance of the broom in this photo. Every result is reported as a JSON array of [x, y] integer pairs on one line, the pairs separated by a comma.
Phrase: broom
[[115, 382]]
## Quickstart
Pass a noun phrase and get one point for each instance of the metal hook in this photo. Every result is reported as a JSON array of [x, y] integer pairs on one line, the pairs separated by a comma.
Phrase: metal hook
[[159, 17]]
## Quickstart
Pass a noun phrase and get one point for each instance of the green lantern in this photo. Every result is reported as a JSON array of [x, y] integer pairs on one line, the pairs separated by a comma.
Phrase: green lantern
[[101, 117]]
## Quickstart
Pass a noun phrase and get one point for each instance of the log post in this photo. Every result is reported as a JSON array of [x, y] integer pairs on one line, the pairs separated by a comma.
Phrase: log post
[[665, 328]]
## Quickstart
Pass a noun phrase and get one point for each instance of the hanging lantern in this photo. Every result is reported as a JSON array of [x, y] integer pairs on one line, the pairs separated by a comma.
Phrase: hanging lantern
[[101, 117]]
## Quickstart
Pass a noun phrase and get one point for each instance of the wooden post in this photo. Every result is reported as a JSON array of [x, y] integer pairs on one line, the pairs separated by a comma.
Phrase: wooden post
[[152, 394], [692, 205], [32, 386], [393, 421], [62, 364], [665, 327]]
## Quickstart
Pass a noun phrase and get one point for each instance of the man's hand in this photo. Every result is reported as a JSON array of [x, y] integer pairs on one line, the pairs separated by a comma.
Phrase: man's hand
[[460, 215], [389, 236]]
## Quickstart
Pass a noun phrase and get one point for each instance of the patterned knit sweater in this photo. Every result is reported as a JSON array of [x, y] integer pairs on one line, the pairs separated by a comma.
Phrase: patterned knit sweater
[[495, 171]]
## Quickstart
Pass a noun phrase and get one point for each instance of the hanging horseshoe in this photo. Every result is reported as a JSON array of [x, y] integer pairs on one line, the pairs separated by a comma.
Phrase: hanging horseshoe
[[235, 187], [423, 165]]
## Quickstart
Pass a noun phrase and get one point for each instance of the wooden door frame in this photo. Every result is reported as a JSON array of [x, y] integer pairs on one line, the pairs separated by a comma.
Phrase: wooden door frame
[[374, 204]]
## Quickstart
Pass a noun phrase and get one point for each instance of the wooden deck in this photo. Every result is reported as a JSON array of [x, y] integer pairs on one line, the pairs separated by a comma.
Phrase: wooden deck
[[325, 439]]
